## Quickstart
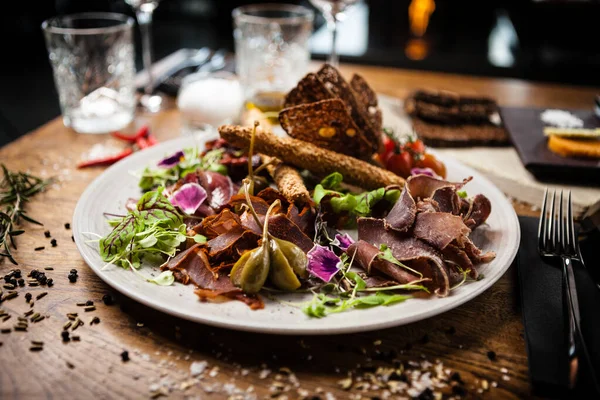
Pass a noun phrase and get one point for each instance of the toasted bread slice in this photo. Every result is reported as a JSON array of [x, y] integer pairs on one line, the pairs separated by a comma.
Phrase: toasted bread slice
[[368, 97], [308, 90], [574, 148], [325, 123], [336, 83]]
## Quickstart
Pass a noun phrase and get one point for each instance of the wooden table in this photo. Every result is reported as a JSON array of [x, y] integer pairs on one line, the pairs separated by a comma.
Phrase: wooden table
[[161, 348]]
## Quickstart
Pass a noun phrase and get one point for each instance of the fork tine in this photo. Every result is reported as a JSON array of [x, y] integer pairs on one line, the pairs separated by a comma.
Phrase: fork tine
[[552, 223], [562, 226], [542, 227], [571, 227]]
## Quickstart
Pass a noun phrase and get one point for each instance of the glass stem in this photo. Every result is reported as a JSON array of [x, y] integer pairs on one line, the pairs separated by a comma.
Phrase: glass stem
[[145, 22], [333, 57]]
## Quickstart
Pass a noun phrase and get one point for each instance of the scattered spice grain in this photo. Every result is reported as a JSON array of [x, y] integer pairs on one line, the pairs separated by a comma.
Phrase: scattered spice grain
[[125, 356], [53, 242], [41, 295], [47, 234], [67, 225]]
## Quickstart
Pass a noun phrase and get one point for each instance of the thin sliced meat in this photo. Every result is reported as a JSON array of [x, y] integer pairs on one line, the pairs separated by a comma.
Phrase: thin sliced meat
[[304, 218], [480, 211], [176, 262], [283, 228], [402, 215], [220, 188], [476, 255], [424, 186], [454, 255], [270, 195], [239, 200], [193, 267], [440, 229], [408, 250], [365, 255], [427, 205], [219, 224], [447, 200], [233, 243]]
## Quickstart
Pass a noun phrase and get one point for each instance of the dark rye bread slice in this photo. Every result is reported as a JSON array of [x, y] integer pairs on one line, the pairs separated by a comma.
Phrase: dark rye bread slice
[[439, 135], [308, 90], [367, 96], [335, 83], [325, 123], [452, 115]]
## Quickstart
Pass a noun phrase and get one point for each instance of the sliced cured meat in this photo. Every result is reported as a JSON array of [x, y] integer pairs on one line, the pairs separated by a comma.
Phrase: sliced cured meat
[[402, 215], [476, 255], [439, 229], [457, 257], [409, 250], [447, 200], [366, 256], [480, 211], [233, 242]]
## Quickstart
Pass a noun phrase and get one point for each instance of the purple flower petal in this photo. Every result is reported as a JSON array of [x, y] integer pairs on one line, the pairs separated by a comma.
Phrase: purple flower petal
[[172, 160], [343, 241], [189, 197], [323, 263], [424, 171]]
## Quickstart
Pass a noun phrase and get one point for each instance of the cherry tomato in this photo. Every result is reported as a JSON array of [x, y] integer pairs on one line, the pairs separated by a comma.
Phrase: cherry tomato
[[430, 161], [388, 147], [400, 163], [417, 147]]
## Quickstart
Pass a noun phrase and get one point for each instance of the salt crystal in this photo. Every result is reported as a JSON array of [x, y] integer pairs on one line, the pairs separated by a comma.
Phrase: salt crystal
[[214, 372], [198, 367], [504, 370], [505, 378], [264, 373], [561, 119]]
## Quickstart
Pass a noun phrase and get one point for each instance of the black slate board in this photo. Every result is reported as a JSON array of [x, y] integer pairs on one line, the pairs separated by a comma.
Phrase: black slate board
[[526, 131]]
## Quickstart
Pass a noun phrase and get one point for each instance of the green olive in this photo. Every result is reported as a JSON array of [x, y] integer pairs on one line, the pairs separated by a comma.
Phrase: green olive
[[281, 274], [295, 257]]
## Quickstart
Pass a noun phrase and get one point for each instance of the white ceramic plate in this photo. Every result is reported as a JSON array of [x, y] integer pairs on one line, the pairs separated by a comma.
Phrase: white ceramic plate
[[109, 192]]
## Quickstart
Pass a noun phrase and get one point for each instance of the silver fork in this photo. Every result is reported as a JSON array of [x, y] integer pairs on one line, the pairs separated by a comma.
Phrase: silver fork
[[557, 242]]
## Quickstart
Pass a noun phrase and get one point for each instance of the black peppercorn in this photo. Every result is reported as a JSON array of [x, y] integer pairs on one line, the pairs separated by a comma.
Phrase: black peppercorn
[[47, 234], [7, 277], [125, 355], [67, 226], [73, 271], [53, 242], [21, 282], [28, 297], [89, 303], [65, 336], [50, 282], [491, 355], [72, 278], [17, 273], [108, 300], [42, 279]]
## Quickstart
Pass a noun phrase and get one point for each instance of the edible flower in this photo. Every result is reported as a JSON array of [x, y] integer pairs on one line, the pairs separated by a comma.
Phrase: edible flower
[[323, 263], [343, 241], [189, 197], [172, 160], [424, 171]]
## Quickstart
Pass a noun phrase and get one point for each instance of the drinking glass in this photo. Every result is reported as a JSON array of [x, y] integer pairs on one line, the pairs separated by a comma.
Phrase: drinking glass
[[92, 58], [333, 12], [271, 51], [144, 10]]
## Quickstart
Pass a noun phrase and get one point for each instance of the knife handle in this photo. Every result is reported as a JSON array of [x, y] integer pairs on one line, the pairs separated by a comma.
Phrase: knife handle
[[577, 349]]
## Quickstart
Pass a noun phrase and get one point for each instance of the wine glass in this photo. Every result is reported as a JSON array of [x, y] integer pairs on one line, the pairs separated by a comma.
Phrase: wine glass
[[143, 12], [333, 12]]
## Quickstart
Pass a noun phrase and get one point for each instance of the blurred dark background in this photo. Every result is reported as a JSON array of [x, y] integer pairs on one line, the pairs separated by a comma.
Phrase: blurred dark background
[[547, 41]]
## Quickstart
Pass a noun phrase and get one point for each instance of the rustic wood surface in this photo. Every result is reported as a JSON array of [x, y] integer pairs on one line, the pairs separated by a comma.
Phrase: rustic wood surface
[[161, 348]]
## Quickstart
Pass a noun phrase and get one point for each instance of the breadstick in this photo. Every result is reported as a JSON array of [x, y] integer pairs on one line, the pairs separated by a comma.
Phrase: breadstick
[[288, 180], [313, 158]]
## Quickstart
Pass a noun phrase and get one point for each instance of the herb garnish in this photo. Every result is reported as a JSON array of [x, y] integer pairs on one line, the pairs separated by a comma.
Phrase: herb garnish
[[190, 162], [359, 205], [153, 230], [16, 188]]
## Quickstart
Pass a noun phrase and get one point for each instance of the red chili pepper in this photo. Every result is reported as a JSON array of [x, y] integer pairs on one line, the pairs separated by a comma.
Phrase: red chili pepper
[[152, 140], [105, 160], [142, 142], [142, 132]]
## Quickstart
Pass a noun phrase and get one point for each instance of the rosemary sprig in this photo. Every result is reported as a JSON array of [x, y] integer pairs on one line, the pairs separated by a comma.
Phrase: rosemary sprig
[[16, 188]]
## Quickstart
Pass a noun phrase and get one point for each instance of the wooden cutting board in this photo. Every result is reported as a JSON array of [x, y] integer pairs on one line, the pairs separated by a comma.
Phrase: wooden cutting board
[[501, 165]]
